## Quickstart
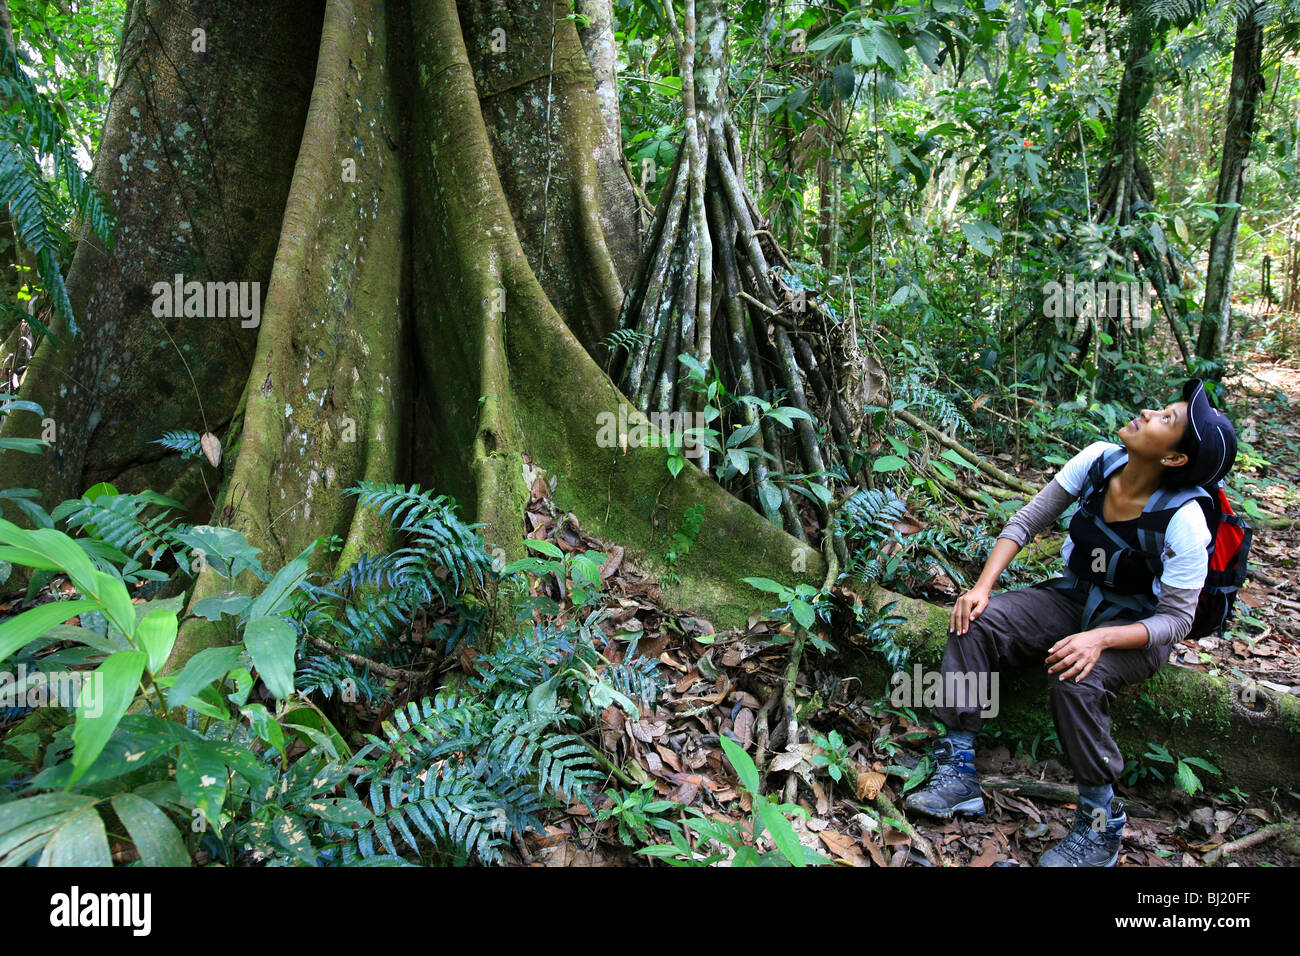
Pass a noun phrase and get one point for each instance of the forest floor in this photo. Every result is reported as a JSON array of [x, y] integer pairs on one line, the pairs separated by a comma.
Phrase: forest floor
[[716, 681], [714, 677]]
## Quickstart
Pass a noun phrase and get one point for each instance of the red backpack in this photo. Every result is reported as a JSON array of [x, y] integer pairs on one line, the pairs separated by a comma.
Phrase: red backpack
[[1229, 549]]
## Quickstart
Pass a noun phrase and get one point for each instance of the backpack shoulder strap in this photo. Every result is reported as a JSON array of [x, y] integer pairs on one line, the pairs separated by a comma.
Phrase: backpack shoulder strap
[[1169, 500], [1102, 467]]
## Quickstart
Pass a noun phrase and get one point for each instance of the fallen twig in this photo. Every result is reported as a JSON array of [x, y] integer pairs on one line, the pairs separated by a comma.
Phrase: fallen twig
[[383, 670], [990, 469], [887, 808], [1051, 791], [1255, 839]]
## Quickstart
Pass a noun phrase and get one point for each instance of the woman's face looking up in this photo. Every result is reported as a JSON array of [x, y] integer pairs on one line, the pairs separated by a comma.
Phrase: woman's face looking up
[[1154, 433]]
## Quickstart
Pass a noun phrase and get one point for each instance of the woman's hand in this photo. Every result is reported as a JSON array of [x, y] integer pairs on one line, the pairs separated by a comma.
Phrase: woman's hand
[[1076, 655], [968, 607]]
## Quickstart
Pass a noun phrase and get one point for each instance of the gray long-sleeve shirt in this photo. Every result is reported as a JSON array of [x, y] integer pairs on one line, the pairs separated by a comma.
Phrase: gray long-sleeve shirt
[[1175, 608]]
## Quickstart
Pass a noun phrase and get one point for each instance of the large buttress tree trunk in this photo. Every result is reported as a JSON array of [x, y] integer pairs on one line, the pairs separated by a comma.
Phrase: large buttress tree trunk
[[436, 262], [1238, 136], [195, 159]]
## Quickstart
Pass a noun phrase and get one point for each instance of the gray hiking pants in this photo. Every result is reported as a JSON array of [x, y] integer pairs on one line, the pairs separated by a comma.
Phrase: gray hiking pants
[[1017, 629]]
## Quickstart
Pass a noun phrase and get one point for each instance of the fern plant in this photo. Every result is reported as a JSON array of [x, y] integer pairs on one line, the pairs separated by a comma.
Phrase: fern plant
[[32, 135], [372, 604], [468, 771], [185, 441], [120, 531], [932, 403]]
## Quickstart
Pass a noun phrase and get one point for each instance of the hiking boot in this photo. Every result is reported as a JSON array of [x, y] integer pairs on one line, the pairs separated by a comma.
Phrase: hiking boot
[[1087, 846], [952, 788]]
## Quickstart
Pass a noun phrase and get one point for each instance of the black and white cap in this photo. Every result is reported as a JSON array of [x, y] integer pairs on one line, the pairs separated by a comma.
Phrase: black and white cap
[[1216, 439]]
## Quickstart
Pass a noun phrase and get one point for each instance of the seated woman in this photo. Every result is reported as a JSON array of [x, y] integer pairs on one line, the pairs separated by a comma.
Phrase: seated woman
[[1110, 621]]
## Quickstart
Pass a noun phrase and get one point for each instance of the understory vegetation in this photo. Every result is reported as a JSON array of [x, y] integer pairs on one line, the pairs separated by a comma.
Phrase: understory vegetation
[[889, 265]]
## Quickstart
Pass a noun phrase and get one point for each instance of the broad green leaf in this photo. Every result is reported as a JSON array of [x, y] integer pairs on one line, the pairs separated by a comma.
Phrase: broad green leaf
[[928, 47], [787, 841], [766, 584], [1076, 26], [888, 463], [275, 598], [112, 594], [103, 701], [225, 549], [155, 837], [99, 490], [603, 694], [340, 810], [264, 725], [50, 550], [18, 632], [542, 697], [21, 842], [26, 810], [957, 459], [203, 668], [208, 702], [887, 48], [821, 493], [46, 548], [803, 613], [862, 54], [291, 833], [156, 635], [272, 643], [304, 715], [233, 603], [79, 841], [587, 568], [545, 547], [30, 446], [832, 37], [844, 80], [1187, 780], [982, 235], [694, 365], [741, 762], [202, 777]]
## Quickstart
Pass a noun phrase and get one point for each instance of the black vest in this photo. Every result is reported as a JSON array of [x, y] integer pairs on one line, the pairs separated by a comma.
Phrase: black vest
[[1114, 564]]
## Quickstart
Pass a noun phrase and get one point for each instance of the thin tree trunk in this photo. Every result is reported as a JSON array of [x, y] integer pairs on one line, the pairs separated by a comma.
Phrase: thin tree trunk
[[1239, 130]]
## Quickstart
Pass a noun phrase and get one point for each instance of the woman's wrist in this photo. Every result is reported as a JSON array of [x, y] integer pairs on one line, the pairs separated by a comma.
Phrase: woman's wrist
[[1122, 636]]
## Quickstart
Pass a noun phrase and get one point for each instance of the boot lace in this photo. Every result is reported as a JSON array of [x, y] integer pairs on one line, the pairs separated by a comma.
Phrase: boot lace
[[1079, 844]]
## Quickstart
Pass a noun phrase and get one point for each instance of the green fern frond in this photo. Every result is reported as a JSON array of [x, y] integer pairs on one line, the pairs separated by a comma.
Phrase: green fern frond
[[185, 441], [434, 528], [29, 134], [120, 522]]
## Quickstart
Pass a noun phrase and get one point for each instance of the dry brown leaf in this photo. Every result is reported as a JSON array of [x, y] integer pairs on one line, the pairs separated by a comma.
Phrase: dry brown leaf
[[211, 446], [989, 856], [844, 847], [869, 784], [785, 761], [744, 727], [669, 758]]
